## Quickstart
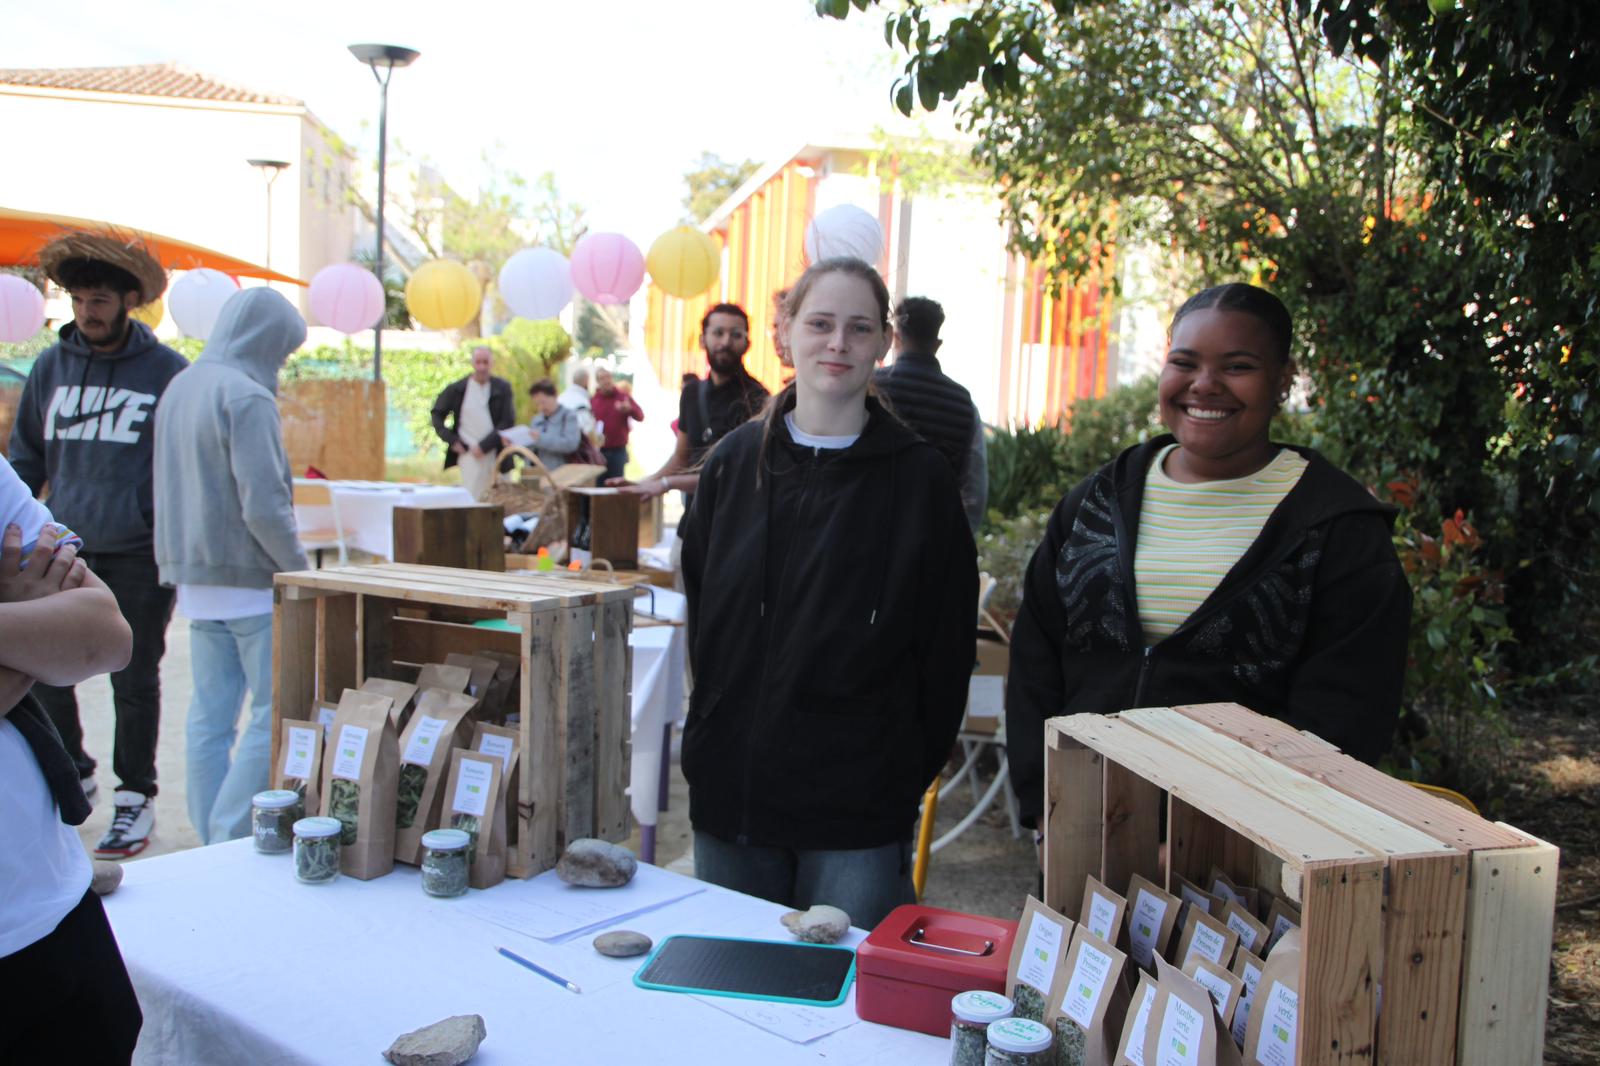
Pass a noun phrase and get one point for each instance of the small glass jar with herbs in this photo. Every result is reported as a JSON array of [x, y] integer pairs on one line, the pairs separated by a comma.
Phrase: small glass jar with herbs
[[971, 1014], [273, 814], [444, 863], [1019, 1042], [316, 850]]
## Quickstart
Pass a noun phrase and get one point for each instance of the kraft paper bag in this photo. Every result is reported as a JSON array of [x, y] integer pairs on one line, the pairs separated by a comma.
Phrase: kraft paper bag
[[1038, 959], [299, 767], [360, 769], [439, 725]]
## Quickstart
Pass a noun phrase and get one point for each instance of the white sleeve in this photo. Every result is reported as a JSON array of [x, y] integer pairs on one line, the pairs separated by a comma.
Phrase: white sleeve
[[18, 507]]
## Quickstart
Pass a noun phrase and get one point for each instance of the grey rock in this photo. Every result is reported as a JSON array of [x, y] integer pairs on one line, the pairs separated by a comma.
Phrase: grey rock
[[821, 924], [590, 863], [622, 943], [107, 876], [447, 1043]]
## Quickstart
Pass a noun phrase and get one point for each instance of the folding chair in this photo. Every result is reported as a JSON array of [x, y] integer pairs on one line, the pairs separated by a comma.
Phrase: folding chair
[[316, 538]]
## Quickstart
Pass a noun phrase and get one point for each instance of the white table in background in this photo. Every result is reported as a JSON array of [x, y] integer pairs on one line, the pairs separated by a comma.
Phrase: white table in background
[[366, 510], [234, 961]]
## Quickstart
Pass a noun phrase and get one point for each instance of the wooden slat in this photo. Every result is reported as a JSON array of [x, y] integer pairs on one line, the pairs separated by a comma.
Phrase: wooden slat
[[1195, 842], [1252, 812], [571, 589], [576, 699], [421, 641], [1511, 904], [1318, 759], [1341, 941], [541, 755], [340, 579], [1074, 794], [294, 663], [615, 673], [336, 646], [1132, 837], [1423, 929], [1339, 812]]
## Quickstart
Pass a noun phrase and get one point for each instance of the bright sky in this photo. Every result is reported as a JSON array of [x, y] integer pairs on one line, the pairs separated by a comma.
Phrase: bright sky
[[618, 97]]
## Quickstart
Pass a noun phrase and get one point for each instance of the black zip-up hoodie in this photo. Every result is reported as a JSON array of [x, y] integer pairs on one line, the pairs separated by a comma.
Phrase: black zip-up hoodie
[[832, 617], [86, 424], [1310, 626]]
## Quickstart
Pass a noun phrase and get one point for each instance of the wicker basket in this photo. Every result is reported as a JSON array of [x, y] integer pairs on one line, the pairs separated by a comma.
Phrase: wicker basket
[[533, 491]]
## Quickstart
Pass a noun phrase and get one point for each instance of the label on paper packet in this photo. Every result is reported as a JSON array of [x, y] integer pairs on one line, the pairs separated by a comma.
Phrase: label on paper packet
[[1145, 925], [1241, 1014], [1039, 953], [325, 719], [472, 787], [1207, 944], [1276, 1045], [1181, 1030], [1101, 914], [297, 760], [424, 741], [492, 744], [347, 753], [1141, 1022], [1088, 979]]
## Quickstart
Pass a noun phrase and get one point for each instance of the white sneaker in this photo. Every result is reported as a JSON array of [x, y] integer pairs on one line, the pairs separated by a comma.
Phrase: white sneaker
[[130, 828]]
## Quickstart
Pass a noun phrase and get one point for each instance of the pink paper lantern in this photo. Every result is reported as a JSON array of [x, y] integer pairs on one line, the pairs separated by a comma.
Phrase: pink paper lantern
[[347, 297], [607, 268], [21, 309]]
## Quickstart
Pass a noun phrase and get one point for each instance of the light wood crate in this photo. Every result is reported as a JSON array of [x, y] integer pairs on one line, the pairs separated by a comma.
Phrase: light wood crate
[[1449, 913], [333, 628]]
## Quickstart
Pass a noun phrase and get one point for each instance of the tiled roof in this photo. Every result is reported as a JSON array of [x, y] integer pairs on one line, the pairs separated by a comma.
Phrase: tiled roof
[[150, 79]]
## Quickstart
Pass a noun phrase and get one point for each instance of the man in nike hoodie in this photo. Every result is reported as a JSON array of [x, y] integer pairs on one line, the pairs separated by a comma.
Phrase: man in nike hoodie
[[86, 427], [224, 525]]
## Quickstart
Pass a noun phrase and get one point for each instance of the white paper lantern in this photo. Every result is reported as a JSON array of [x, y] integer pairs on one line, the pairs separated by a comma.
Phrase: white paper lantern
[[195, 300], [536, 283], [21, 309], [845, 230]]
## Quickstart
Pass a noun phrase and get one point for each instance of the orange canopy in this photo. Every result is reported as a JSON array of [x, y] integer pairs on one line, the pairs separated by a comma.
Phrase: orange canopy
[[23, 233]]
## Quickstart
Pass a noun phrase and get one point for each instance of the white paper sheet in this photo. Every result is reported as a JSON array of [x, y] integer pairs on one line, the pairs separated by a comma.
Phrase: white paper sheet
[[791, 1021], [986, 696], [548, 909]]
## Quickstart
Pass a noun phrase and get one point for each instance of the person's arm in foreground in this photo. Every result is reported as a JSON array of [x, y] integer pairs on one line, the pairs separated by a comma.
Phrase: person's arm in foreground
[[58, 623], [675, 473]]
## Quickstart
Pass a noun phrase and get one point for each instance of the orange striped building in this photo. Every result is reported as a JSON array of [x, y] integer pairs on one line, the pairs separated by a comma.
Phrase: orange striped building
[[1023, 353]]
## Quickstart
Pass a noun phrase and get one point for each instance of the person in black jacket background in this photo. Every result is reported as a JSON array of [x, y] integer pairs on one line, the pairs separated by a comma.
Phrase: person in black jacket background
[[832, 588], [1214, 565], [468, 415]]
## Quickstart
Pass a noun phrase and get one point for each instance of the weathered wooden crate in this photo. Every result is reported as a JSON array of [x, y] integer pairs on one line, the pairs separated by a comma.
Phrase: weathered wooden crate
[[334, 628], [1396, 888]]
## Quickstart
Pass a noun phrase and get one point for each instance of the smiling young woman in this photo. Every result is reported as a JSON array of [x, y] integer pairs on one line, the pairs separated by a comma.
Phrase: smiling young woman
[[832, 586], [1213, 564]]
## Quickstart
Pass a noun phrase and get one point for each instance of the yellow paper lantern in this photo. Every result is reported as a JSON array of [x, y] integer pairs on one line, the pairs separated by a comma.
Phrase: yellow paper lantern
[[443, 294], [151, 313], [683, 262]]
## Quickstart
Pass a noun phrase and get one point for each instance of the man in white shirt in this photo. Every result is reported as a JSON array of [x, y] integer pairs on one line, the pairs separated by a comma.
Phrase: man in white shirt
[[469, 415]]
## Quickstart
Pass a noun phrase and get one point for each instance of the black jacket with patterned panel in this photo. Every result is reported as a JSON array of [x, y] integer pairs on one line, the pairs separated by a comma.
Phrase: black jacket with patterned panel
[[1309, 626]]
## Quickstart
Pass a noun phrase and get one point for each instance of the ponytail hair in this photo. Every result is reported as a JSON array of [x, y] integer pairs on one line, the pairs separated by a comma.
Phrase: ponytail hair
[[796, 295]]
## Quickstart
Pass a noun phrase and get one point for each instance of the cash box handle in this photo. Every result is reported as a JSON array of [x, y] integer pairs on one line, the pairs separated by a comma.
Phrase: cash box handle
[[917, 939]]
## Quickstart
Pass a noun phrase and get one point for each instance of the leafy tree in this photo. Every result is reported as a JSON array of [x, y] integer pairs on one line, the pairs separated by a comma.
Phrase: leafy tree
[[709, 182]]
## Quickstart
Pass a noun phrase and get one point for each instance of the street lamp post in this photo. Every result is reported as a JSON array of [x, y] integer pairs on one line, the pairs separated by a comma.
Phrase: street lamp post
[[385, 57], [270, 169]]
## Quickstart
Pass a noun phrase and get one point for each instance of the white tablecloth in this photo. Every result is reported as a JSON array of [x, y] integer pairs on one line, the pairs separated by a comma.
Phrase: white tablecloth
[[659, 655], [235, 962], [366, 510]]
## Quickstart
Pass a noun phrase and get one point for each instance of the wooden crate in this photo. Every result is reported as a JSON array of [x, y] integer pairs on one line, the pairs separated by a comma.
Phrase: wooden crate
[[471, 537], [1391, 893], [613, 524], [333, 628]]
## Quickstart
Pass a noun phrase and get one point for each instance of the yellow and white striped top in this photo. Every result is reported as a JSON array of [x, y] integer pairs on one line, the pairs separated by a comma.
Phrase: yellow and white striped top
[[1190, 536]]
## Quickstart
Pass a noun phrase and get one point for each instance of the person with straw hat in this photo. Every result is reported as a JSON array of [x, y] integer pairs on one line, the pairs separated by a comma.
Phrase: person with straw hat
[[85, 426]]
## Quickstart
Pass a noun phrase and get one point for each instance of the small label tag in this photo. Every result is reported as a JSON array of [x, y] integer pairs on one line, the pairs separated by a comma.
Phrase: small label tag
[[1088, 979], [424, 741], [297, 752], [347, 753], [494, 744], [472, 787], [1145, 925], [1275, 1047], [1181, 1029]]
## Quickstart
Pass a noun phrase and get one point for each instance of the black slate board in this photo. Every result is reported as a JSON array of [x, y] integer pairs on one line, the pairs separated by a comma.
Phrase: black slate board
[[818, 975]]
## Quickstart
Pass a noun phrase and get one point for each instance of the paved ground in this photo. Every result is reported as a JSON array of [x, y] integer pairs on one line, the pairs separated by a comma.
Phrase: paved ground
[[984, 871]]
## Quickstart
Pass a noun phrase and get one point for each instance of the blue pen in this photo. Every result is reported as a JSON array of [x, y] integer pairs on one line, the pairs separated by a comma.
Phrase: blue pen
[[540, 970]]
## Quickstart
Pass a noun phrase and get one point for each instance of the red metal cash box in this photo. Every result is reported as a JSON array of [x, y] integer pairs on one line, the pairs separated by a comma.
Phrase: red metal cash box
[[919, 957]]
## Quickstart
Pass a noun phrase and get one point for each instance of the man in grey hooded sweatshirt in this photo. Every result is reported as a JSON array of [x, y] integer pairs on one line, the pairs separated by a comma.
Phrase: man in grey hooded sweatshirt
[[224, 525]]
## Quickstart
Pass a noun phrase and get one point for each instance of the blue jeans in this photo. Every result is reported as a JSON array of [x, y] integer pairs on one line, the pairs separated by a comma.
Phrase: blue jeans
[[227, 658], [865, 883]]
